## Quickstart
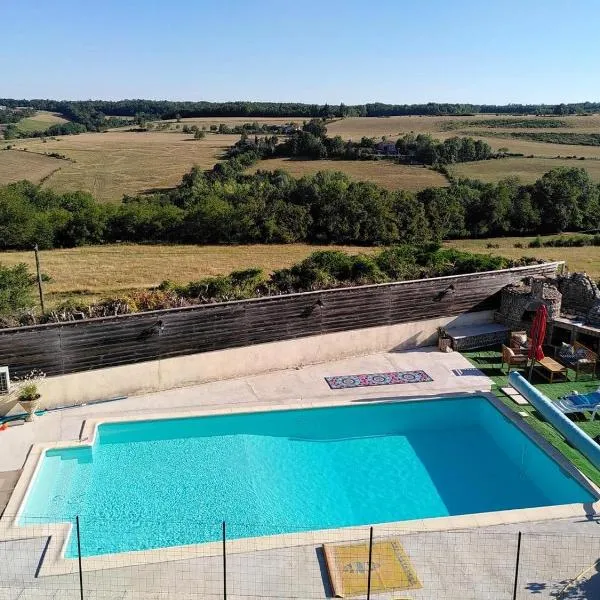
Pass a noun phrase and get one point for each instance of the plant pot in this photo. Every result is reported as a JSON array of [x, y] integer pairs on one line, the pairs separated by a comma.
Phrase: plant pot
[[30, 406], [444, 344]]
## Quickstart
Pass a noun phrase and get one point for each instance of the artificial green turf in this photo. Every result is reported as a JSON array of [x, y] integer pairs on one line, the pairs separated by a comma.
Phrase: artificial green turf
[[488, 361]]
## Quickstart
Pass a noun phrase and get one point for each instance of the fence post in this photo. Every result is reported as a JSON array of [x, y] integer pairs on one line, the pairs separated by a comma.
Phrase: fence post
[[224, 566], [370, 560], [79, 557], [517, 567]]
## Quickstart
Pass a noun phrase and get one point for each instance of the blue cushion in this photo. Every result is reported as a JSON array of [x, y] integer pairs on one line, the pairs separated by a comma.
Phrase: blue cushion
[[580, 353], [567, 352]]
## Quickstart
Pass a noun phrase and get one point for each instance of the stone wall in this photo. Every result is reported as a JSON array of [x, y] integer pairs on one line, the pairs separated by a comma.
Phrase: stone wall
[[581, 295], [519, 302]]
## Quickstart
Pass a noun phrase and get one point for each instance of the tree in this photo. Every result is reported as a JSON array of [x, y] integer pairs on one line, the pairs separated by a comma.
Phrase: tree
[[445, 212], [16, 289], [315, 126], [199, 135], [567, 200]]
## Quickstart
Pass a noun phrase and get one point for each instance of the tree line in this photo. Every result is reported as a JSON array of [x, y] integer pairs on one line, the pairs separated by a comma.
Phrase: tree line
[[225, 205], [312, 142], [8, 115], [88, 112]]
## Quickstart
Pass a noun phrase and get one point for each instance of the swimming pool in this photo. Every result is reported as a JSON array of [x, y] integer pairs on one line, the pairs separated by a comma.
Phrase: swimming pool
[[153, 484]]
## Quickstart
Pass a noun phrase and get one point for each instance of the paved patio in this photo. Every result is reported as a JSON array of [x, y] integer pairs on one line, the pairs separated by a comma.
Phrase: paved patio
[[456, 565]]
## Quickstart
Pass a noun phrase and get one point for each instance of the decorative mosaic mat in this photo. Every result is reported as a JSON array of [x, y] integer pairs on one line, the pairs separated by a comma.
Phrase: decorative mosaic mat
[[340, 382]]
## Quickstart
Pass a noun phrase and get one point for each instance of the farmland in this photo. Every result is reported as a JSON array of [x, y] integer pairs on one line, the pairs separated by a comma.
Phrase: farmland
[[384, 173], [526, 169], [577, 259], [444, 127], [111, 164], [93, 271], [15, 165], [89, 273], [40, 121]]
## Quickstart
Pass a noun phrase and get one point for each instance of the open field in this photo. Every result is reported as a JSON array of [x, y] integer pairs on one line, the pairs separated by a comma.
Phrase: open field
[[40, 121], [578, 259], [356, 127], [96, 270], [15, 165], [530, 148], [385, 173], [109, 165], [438, 127], [233, 121], [119, 162], [526, 169]]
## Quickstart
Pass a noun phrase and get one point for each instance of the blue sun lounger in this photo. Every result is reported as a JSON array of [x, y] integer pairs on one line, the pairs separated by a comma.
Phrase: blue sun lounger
[[579, 403]]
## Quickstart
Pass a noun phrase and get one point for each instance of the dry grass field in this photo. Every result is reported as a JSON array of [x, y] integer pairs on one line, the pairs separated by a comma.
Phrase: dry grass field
[[111, 164], [530, 148], [394, 127], [578, 259], [93, 271], [40, 121], [526, 169], [119, 162], [15, 165], [413, 178], [232, 121], [356, 127], [386, 174]]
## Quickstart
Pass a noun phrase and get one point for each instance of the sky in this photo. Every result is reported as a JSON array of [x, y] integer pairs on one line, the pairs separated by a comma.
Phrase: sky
[[394, 51]]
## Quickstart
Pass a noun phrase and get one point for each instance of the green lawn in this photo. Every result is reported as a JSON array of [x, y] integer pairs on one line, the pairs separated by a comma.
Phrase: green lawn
[[488, 361]]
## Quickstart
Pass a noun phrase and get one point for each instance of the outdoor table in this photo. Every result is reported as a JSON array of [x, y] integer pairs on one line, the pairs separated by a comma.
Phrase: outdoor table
[[548, 367]]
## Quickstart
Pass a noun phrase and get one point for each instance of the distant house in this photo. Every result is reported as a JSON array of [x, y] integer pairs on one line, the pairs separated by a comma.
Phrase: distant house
[[289, 129], [386, 148], [2, 107]]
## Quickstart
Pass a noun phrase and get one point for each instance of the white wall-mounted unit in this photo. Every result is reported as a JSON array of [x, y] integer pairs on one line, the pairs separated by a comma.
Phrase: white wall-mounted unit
[[4, 380]]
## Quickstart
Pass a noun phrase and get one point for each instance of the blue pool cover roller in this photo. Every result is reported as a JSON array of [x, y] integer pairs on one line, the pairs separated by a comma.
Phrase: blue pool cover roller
[[578, 438]]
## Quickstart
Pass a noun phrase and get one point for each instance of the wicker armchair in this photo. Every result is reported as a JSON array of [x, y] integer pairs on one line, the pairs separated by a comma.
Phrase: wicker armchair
[[512, 358], [577, 357]]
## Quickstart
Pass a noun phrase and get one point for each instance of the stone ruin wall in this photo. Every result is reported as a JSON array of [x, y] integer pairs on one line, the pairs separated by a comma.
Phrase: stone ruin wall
[[519, 299], [580, 294]]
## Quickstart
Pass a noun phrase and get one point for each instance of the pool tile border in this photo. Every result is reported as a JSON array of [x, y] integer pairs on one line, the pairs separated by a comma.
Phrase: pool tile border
[[54, 562]]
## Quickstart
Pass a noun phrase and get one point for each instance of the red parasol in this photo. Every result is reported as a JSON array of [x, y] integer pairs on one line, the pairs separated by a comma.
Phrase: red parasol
[[538, 333]]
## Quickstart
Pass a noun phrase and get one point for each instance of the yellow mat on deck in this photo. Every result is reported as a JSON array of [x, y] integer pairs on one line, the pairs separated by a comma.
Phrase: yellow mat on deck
[[348, 567]]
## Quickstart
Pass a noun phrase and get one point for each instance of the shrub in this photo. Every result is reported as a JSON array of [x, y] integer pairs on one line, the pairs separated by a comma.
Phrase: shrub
[[16, 289]]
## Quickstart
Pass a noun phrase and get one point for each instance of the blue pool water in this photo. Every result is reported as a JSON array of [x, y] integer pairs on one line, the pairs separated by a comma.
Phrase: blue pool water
[[163, 483]]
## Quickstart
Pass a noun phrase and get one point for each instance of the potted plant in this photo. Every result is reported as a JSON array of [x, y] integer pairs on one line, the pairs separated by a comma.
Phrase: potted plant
[[27, 392], [29, 399], [444, 341]]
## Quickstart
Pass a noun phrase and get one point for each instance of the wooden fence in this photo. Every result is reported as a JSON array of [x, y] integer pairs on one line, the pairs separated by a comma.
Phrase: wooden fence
[[60, 348]]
